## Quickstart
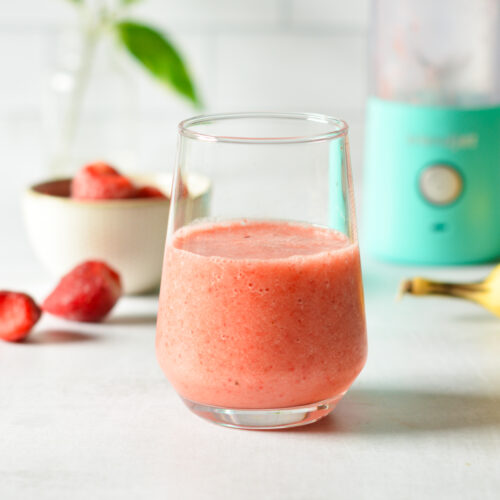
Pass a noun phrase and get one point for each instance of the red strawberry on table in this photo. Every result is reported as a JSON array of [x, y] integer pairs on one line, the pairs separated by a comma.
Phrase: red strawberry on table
[[87, 293], [18, 315], [100, 181], [150, 192]]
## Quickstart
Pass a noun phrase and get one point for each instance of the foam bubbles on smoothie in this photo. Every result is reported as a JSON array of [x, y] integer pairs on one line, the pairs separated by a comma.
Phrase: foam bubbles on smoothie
[[259, 240]]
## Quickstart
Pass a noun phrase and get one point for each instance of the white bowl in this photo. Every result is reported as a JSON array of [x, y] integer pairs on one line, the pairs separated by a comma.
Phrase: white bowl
[[127, 234]]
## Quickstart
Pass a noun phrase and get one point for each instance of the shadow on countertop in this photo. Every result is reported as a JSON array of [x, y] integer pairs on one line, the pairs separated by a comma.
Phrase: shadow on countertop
[[399, 411], [56, 336], [132, 319]]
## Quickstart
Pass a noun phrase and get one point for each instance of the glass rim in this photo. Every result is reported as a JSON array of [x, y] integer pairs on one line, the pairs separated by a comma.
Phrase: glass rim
[[340, 130]]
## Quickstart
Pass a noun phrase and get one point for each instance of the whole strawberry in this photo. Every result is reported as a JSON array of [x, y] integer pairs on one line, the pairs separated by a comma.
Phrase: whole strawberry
[[150, 192], [18, 315], [87, 293], [100, 181]]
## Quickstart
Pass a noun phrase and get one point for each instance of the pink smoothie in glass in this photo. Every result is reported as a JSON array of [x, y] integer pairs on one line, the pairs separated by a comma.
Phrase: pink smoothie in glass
[[261, 314]]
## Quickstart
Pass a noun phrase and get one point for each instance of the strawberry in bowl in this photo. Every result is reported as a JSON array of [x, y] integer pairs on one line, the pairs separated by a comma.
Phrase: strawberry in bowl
[[102, 214]]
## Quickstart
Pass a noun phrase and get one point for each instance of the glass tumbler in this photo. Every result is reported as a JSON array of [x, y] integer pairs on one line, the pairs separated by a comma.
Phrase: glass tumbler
[[261, 320]]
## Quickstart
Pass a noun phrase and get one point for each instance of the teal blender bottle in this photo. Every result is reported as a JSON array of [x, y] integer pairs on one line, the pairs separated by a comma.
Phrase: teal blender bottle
[[432, 159]]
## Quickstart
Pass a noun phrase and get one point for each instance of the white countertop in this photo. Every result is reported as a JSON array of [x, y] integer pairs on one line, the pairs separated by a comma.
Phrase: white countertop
[[85, 412]]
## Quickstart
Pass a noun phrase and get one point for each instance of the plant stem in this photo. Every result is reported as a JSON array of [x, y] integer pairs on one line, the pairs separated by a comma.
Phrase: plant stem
[[72, 114]]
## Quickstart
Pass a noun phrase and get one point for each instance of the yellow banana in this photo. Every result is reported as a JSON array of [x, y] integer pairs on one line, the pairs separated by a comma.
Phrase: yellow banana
[[486, 293]]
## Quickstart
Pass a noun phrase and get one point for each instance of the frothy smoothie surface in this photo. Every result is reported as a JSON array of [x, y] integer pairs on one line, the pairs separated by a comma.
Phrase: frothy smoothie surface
[[258, 240], [260, 314]]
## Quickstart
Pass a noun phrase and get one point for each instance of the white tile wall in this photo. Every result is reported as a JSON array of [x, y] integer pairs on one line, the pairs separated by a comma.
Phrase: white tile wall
[[290, 71], [213, 14], [21, 58], [343, 15], [37, 14], [306, 55]]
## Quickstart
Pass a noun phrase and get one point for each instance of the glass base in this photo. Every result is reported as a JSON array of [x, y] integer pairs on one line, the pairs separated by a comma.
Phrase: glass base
[[265, 419]]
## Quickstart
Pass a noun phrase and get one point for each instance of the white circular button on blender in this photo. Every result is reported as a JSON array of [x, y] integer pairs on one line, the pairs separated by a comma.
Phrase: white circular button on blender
[[441, 184]]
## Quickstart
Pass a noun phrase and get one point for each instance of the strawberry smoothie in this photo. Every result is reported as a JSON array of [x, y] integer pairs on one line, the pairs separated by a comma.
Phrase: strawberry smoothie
[[261, 314]]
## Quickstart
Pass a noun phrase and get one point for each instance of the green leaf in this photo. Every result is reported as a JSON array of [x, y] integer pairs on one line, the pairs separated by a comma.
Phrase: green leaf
[[130, 2], [158, 56]]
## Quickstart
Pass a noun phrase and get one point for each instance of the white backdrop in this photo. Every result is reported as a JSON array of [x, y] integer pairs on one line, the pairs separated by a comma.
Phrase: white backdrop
[[293, 55]]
